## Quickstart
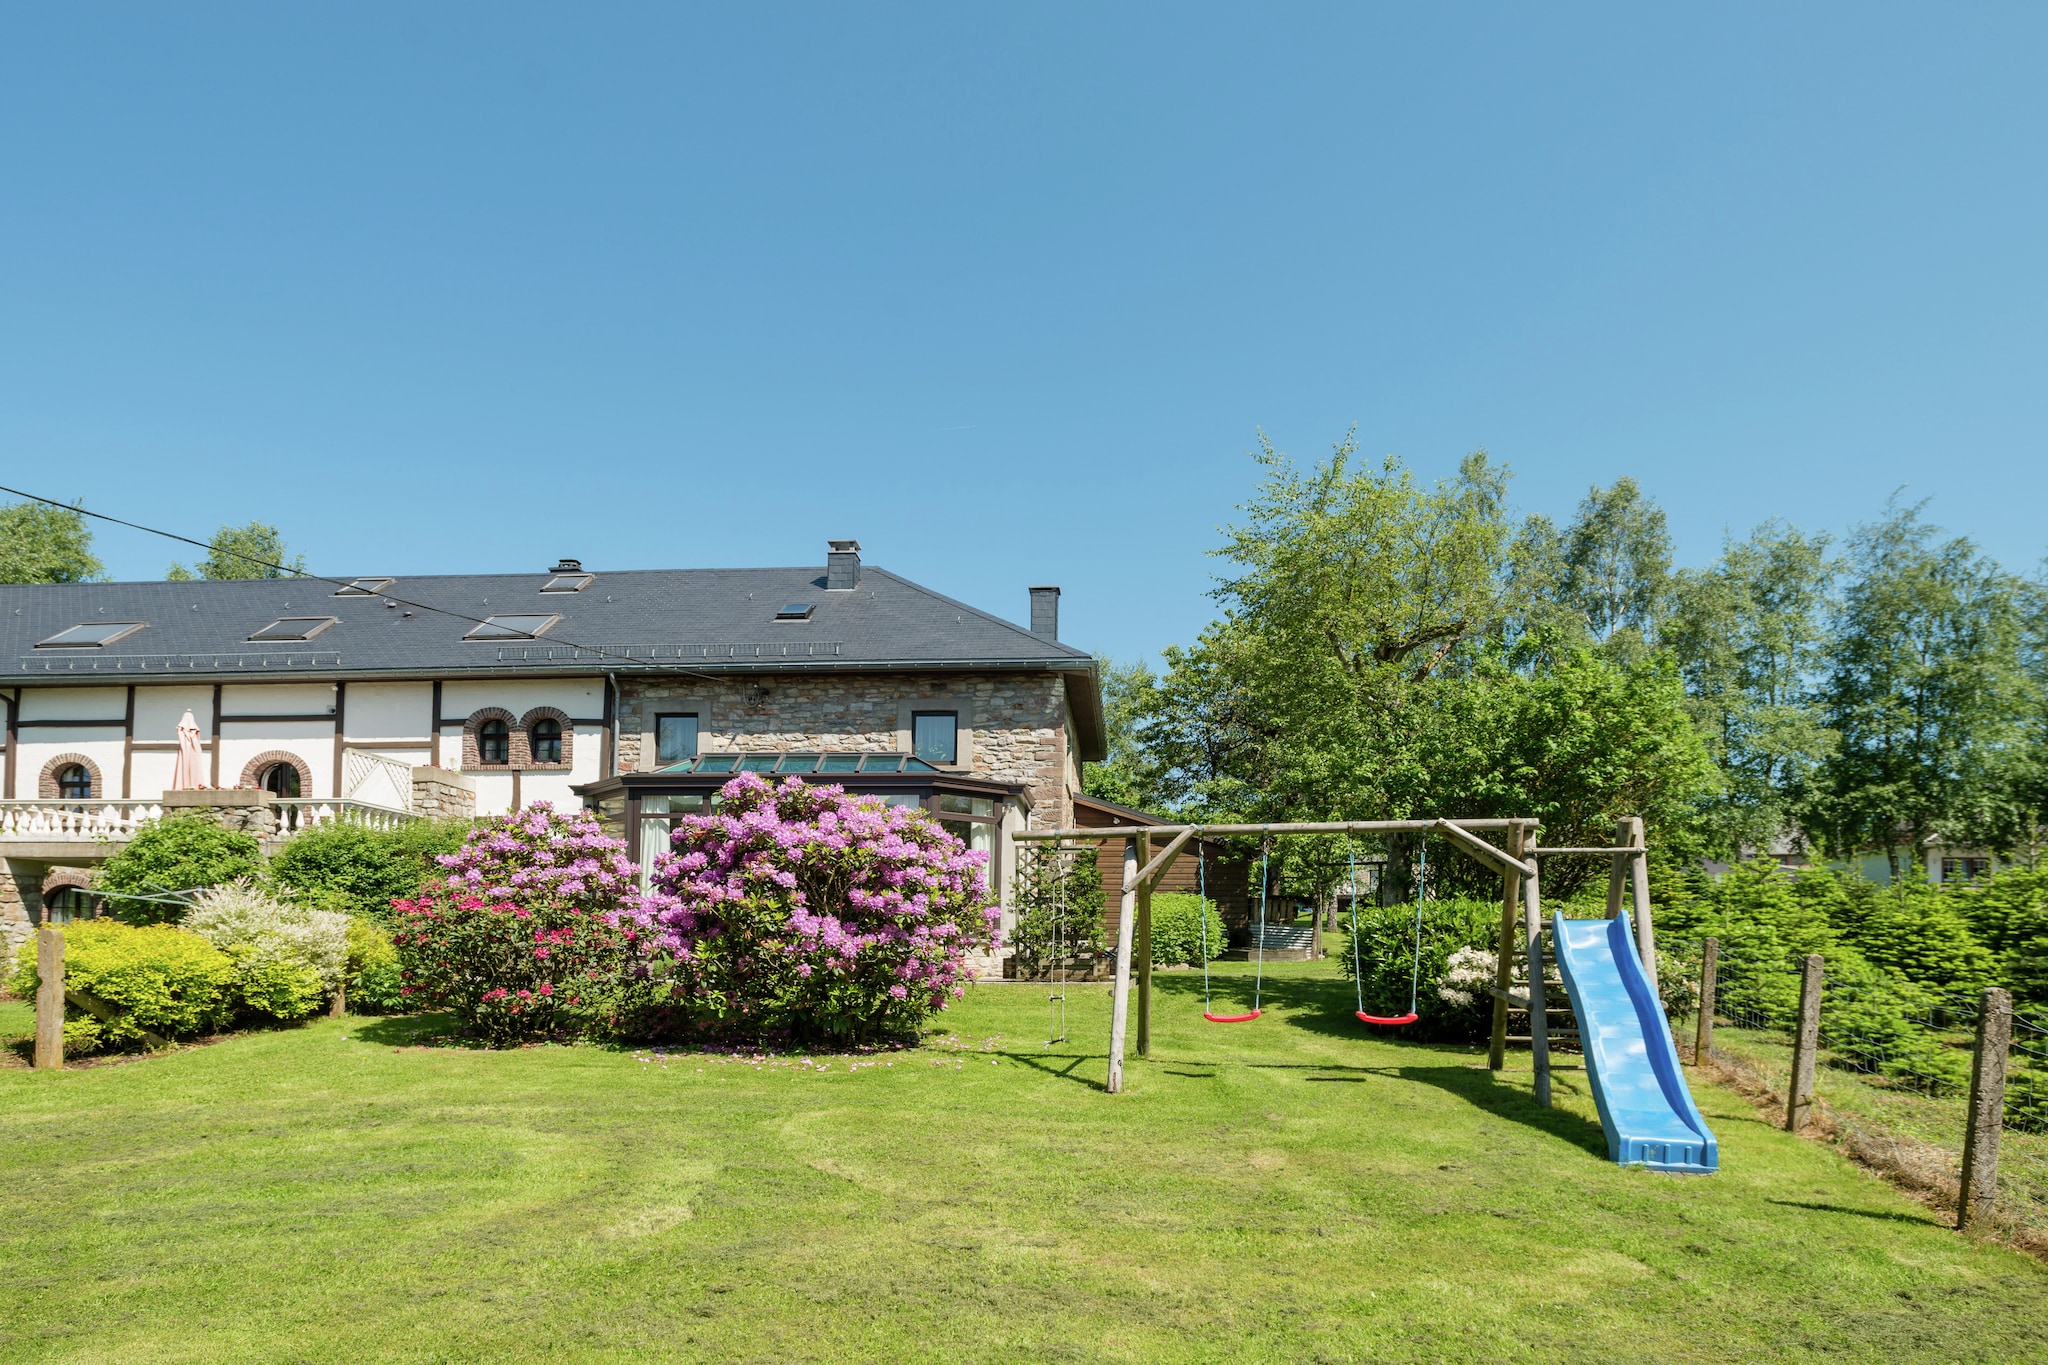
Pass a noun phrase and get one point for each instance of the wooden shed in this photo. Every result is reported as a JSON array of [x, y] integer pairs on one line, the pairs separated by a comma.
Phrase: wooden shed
[[1228, 872]]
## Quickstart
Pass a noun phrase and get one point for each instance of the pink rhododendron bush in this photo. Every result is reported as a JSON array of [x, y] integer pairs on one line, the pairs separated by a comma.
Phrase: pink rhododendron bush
[[523, 938], [799, 908]]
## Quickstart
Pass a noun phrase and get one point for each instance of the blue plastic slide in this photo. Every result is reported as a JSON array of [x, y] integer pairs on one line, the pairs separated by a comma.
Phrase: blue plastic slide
[[1645, 1108]]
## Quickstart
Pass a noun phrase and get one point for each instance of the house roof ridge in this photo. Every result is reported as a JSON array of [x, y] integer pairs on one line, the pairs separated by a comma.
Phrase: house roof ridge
[[1066, 650]]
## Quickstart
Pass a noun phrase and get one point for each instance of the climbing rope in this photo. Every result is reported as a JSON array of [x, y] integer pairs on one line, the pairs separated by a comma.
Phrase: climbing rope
[[1259, 979], [1415, 963]]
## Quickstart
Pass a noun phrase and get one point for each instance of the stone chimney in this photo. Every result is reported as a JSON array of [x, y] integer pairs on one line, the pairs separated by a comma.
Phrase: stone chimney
[[842, 565], [1045, 613]]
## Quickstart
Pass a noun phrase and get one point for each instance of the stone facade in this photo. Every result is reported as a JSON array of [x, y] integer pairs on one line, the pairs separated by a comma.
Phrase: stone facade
[[440, 794], [1013, 726]]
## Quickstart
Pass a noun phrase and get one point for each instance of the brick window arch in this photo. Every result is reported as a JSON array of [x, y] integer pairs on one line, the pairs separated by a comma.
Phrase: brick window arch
[[77, 881], [527, 746], [515, 739], [254, 770], [47, 788]]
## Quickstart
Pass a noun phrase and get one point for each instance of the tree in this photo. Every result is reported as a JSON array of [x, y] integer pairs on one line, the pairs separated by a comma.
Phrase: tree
[[1925, 688], [1750, 638], [1617, 561], [44, 544], [253, 551], [1128, 777]]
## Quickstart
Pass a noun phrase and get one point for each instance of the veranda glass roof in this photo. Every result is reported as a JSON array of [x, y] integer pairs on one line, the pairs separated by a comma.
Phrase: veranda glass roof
[[801, 763]]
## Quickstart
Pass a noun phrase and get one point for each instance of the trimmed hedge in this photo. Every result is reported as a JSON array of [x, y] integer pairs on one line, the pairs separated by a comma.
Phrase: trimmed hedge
[[1177, 929], [159, 979], [184, 853]]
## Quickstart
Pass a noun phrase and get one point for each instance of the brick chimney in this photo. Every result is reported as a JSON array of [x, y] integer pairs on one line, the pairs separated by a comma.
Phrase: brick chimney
[[1045, 613], [842, 565]]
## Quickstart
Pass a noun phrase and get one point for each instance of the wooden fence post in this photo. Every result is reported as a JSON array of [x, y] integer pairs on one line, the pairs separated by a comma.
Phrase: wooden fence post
[[50, 998], [1703, 1037], [337, 1008], [1144, 950], [1799, 1106], [1987, 1111]]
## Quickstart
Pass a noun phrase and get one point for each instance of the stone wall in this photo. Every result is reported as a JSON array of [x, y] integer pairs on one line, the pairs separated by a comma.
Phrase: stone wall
[[1013, 724], [442, 794]]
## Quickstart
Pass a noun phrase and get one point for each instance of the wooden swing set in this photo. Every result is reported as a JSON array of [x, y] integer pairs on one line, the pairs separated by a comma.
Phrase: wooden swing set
[[1521, 897]]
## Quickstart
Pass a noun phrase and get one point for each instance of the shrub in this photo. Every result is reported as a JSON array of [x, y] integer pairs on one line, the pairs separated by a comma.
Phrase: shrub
[[1059, 901], [521, 937], [362, 871], [158, 979], [1177, 928], [375, 982], [184, 853], [288, 958], [1457, 965], [799, 907]]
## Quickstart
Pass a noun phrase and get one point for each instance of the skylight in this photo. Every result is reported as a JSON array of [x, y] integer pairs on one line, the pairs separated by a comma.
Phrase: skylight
[[364, 587], [512, 627], [795, 611], [91, 635], [294, 628], [569, 582]]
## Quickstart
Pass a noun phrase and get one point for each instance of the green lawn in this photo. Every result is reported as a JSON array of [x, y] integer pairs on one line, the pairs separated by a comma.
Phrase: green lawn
[[1291, 1189]]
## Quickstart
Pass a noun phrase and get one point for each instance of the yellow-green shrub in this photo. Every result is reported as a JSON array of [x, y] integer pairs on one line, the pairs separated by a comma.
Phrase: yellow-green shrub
[[160, 979], [375, 981]]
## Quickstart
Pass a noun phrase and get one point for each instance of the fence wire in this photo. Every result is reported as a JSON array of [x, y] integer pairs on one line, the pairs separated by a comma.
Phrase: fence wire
[[1892, 1070]]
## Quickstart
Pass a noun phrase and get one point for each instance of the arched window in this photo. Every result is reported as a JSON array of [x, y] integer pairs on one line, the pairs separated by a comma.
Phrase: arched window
[[544, 739], [65, 904], [74, 782], [494, 742], [281, 779]]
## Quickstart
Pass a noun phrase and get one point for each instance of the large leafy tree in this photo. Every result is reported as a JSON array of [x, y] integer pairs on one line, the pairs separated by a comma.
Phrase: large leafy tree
[[1617, 562], [44, 544], [1925, 688], [1129, 776], [256, 550]]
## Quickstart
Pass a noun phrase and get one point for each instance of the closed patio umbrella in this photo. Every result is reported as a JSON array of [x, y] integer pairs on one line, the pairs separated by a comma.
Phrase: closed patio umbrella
[[185, 775]]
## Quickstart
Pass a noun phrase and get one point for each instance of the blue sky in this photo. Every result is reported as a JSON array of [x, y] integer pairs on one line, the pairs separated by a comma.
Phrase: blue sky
[[1007, 292]]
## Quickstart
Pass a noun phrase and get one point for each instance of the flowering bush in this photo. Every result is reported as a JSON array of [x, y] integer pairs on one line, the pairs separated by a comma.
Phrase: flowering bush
[[522, 937], [799, 907], [288, 958]]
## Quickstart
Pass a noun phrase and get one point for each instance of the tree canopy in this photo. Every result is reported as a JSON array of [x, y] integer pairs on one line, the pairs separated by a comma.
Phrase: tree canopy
[[44, 544], [256, 550]]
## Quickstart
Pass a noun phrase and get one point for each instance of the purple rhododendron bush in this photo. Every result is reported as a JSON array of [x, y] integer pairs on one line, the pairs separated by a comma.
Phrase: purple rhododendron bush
[[524, 937], [800, 909]]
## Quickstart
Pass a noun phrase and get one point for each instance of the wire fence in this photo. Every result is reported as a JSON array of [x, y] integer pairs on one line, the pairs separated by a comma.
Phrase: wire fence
[[1892, 1070]]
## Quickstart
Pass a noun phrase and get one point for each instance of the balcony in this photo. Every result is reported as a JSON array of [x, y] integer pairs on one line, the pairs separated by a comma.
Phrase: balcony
[[73, 824]]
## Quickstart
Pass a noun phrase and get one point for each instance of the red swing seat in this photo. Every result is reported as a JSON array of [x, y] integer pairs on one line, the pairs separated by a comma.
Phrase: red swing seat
[[1231, 1018], [1408, 1018]]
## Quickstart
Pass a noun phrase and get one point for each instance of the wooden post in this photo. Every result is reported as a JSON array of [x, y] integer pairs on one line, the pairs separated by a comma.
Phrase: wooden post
[[1987, 1112], [1504, 961], [1639, 873], [1799, 1106], [1539, 1018], [50, 998], [1617, 873], [337, 1008], [1703, 1037], [1120, 1010], [1144, 949]]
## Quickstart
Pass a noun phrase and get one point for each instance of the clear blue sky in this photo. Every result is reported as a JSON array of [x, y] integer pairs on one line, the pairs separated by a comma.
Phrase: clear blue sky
[[1006, 292]]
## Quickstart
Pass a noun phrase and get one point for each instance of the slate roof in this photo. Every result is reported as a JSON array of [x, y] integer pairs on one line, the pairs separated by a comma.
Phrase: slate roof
[[641, 621]]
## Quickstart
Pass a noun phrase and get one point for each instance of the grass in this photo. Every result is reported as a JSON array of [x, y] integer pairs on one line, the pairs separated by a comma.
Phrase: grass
[[1291, 1189]]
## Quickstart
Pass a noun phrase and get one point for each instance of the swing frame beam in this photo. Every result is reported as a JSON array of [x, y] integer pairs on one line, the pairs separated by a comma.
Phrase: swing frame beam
[[1521, 888]]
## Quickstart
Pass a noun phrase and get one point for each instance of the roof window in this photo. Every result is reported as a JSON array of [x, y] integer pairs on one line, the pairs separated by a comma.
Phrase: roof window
[[795, 611], [91, 635], [511, 627], [569, 582], [364, 587], [294, 628]]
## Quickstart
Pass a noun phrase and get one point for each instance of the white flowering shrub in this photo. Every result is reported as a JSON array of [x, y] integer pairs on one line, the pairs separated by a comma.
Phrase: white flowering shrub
[[1466, 976], [288, 958]]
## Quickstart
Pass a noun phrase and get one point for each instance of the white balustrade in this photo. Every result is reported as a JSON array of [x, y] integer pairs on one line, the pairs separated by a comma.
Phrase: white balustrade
[[116, 821]]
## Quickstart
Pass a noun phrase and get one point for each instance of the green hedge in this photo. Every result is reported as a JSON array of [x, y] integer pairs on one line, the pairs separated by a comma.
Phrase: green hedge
[[159, 979], [184, 853], [361, 871], [1385, 949], [1177, 929]]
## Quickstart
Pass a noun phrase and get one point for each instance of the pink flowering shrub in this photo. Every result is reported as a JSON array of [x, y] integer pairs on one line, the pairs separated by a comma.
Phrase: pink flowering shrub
[[522, 938], [799, 907]]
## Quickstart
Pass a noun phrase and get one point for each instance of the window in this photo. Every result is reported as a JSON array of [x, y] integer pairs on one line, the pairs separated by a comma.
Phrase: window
[[1965, 869], [91, 635], [281, 779], [572, 582], [544, 740], [795, 611], [935, 736], [74, 782], [294, 628], [364, 587], [67, 904], [675, 739], [511, 627], [494, 742]]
